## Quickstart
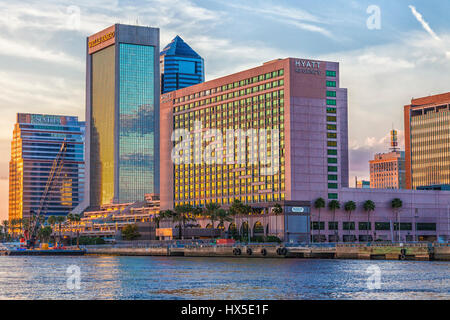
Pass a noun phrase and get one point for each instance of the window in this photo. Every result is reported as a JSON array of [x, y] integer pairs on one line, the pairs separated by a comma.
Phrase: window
[[364, 226], [332, 152], [315, 225], [332, 177], [331, 73], [331, 135], [332, 143], [348, 225], [332, 169], [426, 226], [333, 196], [331, 102], [333, 225], [331, 93], [331, 83], [331, 110], [331, 118], [332, 186], [403, 226], [332, 160], [331, 127], [382, 226]]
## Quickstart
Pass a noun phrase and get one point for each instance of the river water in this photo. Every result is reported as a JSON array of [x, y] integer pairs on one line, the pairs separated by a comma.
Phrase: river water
[[112, 277]]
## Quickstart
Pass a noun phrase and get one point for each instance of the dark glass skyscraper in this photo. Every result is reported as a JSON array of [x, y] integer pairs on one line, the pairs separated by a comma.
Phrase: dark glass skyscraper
[[122, 115], [37, 140], [181, 66]]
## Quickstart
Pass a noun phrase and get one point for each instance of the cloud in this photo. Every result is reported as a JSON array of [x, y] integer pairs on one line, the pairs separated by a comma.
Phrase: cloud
[[424, 24], [287, 15]]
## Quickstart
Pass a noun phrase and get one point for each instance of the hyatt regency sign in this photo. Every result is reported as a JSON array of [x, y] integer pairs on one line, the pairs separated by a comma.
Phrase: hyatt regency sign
[[307, 67]]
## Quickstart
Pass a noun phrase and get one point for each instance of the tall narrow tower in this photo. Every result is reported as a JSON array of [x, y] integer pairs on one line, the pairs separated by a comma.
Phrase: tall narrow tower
[[122, 115]]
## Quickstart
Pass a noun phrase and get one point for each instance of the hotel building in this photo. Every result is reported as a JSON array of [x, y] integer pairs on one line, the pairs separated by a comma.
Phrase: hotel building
[[37, 140], [180, 66], [427, 141], [122, 115], [387, 170], [301, 99]]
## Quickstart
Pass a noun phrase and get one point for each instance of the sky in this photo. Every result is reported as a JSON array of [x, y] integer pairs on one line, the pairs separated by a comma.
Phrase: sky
[[389, 52]]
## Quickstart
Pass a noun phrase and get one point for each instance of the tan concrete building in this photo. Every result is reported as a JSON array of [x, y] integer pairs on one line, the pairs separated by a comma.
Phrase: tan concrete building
[[387, 170]]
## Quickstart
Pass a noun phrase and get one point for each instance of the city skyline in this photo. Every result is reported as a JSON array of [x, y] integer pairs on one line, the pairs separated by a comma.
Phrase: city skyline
[[44, 71]]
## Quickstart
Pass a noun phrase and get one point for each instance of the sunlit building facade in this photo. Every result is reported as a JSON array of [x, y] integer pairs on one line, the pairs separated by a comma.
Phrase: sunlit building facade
[[427, 141], [387, 170], [37, 140], [122, 115], [299, 99], [181, 66]]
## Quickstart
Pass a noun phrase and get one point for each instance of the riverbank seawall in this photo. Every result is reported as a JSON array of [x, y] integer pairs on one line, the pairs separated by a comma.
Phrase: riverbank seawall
[[417, 252]]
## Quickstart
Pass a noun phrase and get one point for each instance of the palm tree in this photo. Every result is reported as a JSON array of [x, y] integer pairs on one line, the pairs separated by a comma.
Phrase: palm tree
[[5, 224], [368, 207], [319, 204], [349, 207], [222, 216], [183, 213], [334, 205], [52, 221], [277, 210], [211, 211], [75, 218], [396, 204], [60, 220]]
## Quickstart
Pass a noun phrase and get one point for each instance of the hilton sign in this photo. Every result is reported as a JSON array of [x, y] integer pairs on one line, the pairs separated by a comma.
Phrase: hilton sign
[[307, 67]]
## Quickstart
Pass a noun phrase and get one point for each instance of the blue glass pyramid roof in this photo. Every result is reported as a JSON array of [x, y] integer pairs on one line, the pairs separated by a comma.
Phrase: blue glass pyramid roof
[[179, 48]]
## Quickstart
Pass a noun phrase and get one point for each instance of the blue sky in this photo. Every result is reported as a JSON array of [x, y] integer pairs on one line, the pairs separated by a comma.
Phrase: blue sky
[[42, 53]]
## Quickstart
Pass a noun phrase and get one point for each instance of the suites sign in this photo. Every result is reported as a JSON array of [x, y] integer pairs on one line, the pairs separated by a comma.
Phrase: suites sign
[[307, 67]]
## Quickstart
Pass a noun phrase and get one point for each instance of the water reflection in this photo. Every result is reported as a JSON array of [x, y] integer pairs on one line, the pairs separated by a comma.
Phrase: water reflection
[[106, 277]]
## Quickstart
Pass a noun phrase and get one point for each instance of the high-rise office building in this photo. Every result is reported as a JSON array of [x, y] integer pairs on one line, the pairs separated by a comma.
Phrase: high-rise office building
[[122, 115], [37, 140], [427, 141], [181, 66], [387, 170], [298, 100]]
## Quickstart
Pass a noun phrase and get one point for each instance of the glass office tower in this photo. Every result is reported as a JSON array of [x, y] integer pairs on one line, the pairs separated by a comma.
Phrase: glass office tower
[[122, 115], [37, 140], [181, 66]]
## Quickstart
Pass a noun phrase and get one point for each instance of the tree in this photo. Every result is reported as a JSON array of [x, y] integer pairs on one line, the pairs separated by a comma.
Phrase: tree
[[130, 232], [349, 207], [75, 218], [183, 214], [5, 224], [60, 220], [369, 206], [277, 209], [319, 204], [45, 233], [223, 215], [396, 205], [334, 205], [211, 211]]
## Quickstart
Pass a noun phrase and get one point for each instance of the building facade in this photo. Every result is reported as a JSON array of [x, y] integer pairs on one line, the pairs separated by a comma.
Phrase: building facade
[[37, 140], [427, 141], [387, 170], [180, 66], [122, 115], [279, 134]]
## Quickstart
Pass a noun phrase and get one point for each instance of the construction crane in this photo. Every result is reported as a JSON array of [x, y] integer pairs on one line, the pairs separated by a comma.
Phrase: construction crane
[[52, 181]]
